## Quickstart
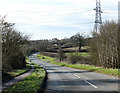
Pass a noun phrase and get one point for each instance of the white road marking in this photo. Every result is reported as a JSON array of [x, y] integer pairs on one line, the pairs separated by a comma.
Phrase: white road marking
[[86, 81], [76, 75], [90, 83]]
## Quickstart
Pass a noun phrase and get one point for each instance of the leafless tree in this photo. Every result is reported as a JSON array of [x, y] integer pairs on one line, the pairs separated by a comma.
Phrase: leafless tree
[[12, 42], [104, 46], [78, 40]]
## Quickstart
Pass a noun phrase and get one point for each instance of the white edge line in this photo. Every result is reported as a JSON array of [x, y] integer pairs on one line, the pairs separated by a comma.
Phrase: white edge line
[[90, 83]]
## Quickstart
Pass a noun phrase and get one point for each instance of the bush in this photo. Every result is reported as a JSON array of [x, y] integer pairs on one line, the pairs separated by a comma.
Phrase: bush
[[54, 55], [18, 59], [75, 58]]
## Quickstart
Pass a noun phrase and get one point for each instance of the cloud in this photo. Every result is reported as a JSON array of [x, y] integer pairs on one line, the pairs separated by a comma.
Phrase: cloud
[[51, 16]]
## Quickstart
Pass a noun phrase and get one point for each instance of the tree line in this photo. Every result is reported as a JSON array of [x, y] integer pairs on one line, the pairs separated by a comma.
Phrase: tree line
[[103, 46], [13, 56]]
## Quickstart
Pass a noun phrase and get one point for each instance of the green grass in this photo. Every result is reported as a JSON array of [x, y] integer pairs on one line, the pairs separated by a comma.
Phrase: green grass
[[46, 58], [9, 75], [33, 64], [17, 72], [31, 84], [72, 48], [113, 72], [84, 54], [85, 47], [27, 59], [76, 48]]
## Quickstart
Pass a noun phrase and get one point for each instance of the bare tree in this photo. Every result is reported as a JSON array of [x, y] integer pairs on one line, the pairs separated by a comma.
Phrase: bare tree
[[78, 40], [61, 54], [12, 42], [105, 45]]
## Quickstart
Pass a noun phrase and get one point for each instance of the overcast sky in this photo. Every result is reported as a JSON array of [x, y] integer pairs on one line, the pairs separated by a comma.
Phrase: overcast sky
[[47, 19]]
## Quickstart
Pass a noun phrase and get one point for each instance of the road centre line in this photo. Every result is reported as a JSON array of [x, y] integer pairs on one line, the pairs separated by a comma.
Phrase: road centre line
[[76, 75], [90, 83], [86, 81]]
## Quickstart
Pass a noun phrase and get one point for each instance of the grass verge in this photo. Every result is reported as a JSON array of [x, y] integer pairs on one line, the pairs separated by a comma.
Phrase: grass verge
[[113, 72], [11, 74], [31, 84], [84, 54], [27, 59]]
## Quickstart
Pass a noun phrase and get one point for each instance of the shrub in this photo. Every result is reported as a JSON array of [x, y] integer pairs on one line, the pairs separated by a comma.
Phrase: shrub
[[73, 58], [54, 55], [18, 59], [76, 58], [61, 54]]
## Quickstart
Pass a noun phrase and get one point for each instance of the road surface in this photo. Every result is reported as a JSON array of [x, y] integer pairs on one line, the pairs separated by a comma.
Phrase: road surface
[[69, 80]]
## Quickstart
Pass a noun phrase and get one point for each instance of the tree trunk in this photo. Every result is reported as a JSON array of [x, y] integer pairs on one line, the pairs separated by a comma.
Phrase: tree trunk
[[80, 46]]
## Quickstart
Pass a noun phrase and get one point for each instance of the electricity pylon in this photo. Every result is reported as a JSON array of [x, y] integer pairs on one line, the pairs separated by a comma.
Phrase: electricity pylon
[[98, 19]]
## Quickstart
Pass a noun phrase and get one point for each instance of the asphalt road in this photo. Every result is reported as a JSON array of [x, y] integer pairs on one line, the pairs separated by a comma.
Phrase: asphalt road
[[69, 80]]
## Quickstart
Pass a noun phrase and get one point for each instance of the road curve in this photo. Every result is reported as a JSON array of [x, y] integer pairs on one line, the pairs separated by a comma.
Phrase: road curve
[[69, 80]]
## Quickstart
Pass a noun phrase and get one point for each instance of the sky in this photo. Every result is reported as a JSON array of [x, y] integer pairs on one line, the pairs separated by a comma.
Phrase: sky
[[47, 19]]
